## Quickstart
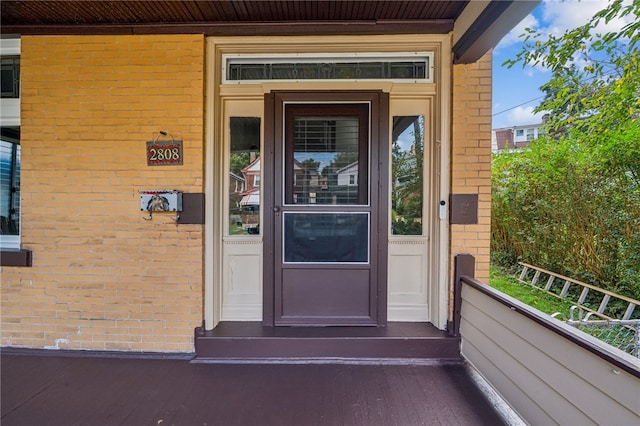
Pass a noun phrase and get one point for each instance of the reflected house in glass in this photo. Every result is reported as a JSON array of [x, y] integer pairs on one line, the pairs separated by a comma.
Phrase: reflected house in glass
[[307, 183], [250, 202], [236, 189], [348, 175]]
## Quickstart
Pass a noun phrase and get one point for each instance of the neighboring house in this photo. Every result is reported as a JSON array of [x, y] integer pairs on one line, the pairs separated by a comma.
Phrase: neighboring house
[[305, 183], [98, 80], [236, 189], [515, 137], [252, 174], [236, 183], [250, 203], [348, 175]]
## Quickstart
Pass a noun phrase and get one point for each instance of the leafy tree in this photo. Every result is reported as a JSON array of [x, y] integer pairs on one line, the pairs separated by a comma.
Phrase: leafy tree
[[594, 91], [341, 159], [239, 160], [407, 178], [595, 83], [311, 165], [572, 202]]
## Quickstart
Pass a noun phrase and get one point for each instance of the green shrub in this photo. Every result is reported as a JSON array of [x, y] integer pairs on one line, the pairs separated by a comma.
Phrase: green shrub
[[571, 207]]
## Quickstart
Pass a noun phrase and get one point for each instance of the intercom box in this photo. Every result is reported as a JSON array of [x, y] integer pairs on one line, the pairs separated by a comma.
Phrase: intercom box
[[161, 201]]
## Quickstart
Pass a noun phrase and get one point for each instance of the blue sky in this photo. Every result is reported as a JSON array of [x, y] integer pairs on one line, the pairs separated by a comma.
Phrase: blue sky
[[516, 91]]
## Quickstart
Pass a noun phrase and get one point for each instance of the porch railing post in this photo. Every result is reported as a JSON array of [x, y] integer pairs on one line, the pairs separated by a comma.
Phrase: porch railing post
[[463, 264]]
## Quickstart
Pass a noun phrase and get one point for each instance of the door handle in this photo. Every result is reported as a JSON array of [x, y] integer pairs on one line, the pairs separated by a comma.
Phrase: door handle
[[276, 210]]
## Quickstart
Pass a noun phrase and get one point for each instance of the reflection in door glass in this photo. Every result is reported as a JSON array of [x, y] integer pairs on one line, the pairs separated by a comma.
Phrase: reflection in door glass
[[407, 175], [326, 237], [326, 160], [10, 187], [244, 176]]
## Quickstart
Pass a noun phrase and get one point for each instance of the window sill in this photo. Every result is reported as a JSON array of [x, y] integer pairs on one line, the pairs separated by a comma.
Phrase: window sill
[[16, 257]]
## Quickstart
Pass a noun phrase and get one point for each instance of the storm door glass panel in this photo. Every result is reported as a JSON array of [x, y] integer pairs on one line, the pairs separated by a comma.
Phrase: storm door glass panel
[[407, 175], [244, 176], [327, 161], [326, 237]]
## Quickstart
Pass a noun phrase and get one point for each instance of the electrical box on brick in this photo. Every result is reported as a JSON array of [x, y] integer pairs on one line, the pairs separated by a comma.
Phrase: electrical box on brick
[[161, 200]]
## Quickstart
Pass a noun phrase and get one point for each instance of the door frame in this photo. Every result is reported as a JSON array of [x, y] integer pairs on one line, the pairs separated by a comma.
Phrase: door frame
[[379, 136], [436, 94]]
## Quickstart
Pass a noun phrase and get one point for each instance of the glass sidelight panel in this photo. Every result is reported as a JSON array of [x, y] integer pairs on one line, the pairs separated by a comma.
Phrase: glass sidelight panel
[[407, 175], [326, 237], [244, 176]]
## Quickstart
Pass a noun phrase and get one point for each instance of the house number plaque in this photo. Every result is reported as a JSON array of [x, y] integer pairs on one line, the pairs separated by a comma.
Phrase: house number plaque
[[164, 153]]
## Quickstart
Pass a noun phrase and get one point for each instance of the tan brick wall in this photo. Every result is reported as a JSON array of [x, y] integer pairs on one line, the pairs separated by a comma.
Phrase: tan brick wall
[[471, 158], [102, 277]]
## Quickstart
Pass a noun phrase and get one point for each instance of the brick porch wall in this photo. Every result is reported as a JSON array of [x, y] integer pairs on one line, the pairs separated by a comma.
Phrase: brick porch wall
[[471, 158], [102, 277]]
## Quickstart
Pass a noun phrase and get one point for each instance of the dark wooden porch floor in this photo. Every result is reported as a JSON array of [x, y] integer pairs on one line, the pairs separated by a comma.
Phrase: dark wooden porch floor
[[48, 389]]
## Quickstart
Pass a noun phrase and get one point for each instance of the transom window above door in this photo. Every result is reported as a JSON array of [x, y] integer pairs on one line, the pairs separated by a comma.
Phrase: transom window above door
[[409, 67]]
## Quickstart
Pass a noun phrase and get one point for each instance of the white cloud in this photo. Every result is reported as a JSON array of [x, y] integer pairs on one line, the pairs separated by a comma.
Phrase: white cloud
[[560, 16], [523, 115], [513, 86]]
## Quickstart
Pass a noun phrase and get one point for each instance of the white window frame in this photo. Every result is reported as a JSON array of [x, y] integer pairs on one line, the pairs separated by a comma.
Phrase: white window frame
[[10, 117], [531, 134]]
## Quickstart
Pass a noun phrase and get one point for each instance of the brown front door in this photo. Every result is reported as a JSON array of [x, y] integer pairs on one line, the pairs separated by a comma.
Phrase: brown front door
[[325, 198]]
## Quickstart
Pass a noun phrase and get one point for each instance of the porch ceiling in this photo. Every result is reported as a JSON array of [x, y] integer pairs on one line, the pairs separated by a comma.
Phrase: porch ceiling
[[478, 23], [207, 15]]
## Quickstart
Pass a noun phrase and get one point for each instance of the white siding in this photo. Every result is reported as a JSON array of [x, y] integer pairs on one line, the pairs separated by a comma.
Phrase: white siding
[[545, 377]]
